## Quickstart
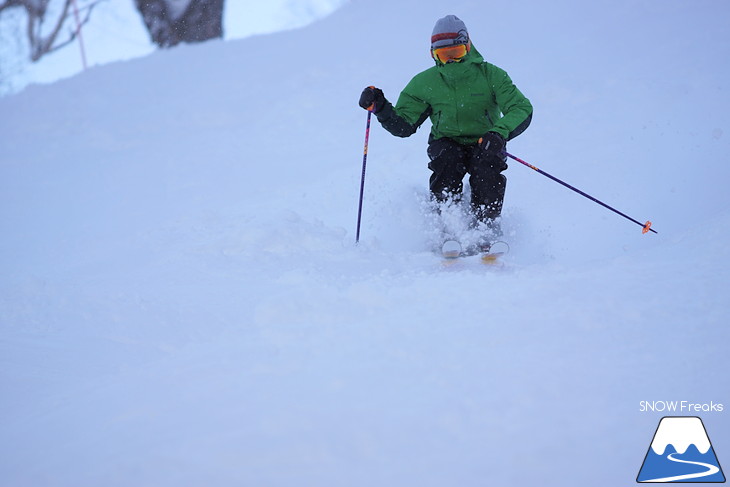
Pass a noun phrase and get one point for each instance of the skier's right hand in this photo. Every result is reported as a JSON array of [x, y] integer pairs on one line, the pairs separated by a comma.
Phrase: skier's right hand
[[372, 99]]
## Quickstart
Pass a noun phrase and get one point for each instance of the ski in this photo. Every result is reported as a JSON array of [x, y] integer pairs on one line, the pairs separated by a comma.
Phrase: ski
[[452, 251]]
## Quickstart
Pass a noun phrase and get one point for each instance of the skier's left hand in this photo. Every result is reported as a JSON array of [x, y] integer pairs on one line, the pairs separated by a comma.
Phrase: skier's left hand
[[491, 144]]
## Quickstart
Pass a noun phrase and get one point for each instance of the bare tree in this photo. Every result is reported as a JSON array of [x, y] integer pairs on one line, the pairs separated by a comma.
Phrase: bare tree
[[43, 43], [171, 22]]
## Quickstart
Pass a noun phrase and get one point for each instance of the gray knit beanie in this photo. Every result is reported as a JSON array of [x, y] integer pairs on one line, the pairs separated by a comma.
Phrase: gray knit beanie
[[449, 31]]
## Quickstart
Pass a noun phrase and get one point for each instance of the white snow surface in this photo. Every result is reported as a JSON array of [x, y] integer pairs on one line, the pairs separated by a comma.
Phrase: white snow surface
[[182, 302], [681, 432]]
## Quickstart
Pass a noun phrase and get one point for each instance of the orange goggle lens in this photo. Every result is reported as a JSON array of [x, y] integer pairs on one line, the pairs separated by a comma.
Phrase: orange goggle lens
[[450, 54]]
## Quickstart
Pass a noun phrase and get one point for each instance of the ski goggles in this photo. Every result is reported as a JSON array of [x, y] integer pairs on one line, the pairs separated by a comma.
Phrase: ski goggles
[[450, 54]]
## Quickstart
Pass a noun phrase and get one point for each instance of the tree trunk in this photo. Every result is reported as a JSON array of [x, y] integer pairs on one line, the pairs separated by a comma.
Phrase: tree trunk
[[199, 21]]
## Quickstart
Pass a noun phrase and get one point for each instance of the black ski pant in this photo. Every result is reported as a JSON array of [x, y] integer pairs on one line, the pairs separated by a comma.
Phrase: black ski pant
[[451, 162]]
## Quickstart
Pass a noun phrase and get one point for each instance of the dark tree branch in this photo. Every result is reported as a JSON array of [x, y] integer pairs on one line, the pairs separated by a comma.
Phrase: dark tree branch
[[10, 3], [73, 34], [41, 45]]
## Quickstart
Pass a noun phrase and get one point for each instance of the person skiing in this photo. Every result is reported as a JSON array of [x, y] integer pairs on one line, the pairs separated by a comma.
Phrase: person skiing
[[474, 108]]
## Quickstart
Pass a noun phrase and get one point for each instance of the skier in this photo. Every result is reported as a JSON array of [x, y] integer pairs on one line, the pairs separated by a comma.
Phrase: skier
[[474, 109]]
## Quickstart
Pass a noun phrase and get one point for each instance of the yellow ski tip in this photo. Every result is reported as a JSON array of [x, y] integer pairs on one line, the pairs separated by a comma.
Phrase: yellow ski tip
[[491, 258]]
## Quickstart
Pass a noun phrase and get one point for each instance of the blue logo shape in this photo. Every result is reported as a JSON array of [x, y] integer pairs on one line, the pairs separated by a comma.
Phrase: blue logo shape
[[681, 452]]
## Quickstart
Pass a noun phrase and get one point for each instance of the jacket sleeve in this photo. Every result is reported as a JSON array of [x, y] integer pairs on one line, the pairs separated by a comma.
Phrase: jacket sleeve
[[515, 107], [404, 119]]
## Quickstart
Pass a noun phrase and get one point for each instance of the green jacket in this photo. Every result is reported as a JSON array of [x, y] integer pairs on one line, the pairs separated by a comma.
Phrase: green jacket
[[463, 100]]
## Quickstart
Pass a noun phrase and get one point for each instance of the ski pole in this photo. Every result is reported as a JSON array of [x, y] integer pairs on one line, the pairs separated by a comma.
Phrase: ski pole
[[646, 227], [362, 179]]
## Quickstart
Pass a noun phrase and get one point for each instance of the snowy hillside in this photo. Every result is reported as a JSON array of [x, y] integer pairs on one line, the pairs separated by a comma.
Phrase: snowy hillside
[[182, 302]]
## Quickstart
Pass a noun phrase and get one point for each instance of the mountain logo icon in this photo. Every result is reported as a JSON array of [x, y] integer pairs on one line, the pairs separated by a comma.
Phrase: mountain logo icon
[[680, 452]]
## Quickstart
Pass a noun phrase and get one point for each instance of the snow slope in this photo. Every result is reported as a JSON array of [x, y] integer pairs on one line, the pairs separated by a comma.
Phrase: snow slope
[[182, 303]]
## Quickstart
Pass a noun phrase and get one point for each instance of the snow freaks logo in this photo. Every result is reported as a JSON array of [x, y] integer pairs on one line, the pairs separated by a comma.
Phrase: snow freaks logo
[[680, 407], [680, 452]]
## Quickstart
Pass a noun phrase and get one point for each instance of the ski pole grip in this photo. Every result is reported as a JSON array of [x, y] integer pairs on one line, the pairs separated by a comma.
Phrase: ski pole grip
[[372, 105]]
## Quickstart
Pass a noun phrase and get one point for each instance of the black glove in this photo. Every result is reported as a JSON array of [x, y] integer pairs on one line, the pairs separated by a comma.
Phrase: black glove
[[372, 98], [491, 144]]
